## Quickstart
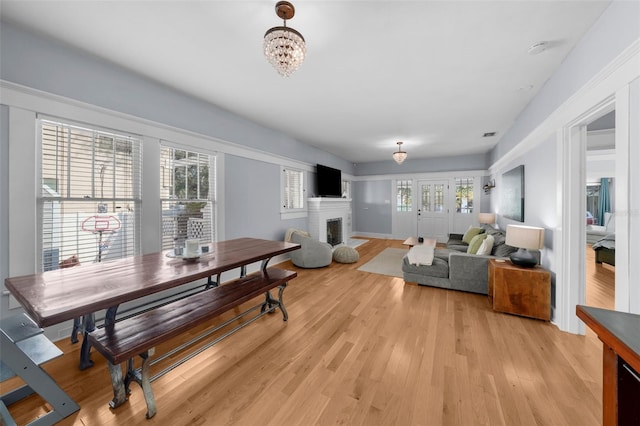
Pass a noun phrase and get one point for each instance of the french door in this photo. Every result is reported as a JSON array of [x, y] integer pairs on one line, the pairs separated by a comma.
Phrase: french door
[[433, 211]]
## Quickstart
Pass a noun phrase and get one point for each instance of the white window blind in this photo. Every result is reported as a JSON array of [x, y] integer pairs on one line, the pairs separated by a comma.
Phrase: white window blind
[[90, 197], [292, 189], [186, 192]]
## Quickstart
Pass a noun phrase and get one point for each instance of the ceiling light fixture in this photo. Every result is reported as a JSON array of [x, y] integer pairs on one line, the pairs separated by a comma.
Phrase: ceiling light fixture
[[284, 47], [399, 155]]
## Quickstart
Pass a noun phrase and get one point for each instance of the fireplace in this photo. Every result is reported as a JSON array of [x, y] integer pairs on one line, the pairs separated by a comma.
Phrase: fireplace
[[334, 231], [322, 214]]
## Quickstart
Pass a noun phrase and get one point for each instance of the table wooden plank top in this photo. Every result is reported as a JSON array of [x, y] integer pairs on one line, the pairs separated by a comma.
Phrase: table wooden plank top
[[55, 296]]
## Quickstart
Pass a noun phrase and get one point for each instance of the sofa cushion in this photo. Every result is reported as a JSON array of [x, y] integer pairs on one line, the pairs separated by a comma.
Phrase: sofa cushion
[[471, 232], [503, 250], [443, 254], [439, 268], [475, 243]]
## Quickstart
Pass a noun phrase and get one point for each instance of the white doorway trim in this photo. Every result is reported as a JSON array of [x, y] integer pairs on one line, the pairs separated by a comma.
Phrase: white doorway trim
[[607, 89], [570, 238]]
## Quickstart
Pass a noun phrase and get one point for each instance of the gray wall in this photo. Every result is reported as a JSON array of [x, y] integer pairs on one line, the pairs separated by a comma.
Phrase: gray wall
[[370, 213], [252, 194], [540, 180]]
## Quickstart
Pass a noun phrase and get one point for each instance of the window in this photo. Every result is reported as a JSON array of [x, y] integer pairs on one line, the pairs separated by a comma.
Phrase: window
[[292, 189], [593, 203], [346, 188], [90, 195], [186, 194], [464, 195], [403, 195]]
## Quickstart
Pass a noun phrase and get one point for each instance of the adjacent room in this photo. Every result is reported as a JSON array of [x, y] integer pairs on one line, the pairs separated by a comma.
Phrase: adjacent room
[[317, 213]]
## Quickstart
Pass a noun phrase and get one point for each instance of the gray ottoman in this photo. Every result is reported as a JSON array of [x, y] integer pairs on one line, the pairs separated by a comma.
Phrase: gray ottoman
[[346, 254]]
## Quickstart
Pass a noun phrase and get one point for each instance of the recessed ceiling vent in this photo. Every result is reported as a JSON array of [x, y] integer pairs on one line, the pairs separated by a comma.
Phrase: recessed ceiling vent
[[489, 134], [537, 48]]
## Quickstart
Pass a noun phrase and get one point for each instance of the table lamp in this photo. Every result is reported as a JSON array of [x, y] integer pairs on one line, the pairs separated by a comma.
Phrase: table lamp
[[525, 238], [486, 218]]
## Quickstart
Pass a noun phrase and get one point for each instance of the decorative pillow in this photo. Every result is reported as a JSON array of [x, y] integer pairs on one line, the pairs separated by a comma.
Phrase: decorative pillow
[[475, 243], [486, 246], [471, 232]]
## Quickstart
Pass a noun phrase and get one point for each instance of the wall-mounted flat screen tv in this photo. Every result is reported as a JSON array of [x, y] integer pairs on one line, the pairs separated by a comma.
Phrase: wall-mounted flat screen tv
[[328, 181]]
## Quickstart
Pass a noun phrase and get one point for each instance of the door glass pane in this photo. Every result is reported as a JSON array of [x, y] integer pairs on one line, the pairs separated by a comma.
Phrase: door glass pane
[[438, 197], [426, 198]]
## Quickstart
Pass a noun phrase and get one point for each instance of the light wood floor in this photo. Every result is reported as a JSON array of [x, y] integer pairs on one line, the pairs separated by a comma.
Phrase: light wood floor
[[361, 349]]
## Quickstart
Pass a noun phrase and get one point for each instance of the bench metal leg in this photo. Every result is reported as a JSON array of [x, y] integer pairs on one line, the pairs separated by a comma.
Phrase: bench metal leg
[[121, 388], [119, 391], [270, 302], [145, 383]]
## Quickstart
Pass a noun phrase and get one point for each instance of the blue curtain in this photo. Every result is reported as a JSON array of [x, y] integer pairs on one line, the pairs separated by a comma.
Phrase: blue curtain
[[604, 205]]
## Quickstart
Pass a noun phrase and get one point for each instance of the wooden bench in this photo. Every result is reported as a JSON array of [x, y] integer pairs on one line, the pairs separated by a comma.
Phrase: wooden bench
[[140, 334]]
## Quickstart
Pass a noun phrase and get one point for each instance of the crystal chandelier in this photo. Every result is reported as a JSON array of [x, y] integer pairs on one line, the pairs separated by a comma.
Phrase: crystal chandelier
[[399, 155], [284, 47]]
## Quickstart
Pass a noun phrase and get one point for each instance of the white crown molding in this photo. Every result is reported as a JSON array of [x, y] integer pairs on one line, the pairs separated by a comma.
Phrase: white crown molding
[[598, 90]]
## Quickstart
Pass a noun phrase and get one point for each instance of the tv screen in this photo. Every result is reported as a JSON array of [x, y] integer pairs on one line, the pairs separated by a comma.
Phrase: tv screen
[[329, 181]]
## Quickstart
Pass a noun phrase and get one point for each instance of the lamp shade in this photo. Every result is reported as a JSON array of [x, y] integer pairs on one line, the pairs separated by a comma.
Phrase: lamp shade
[[526, 237], [487, 218]]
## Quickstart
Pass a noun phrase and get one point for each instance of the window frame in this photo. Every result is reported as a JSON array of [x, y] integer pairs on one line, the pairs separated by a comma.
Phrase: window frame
[[407, 185], [470, 182], [167, 184], [45, 198], [292, 212]]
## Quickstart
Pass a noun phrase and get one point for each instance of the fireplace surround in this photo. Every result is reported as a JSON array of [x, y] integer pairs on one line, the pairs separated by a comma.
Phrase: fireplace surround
[[322, 210]]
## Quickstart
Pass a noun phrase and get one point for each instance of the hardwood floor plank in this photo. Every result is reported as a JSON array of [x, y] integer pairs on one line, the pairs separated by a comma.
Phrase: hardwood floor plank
[[364, 349]]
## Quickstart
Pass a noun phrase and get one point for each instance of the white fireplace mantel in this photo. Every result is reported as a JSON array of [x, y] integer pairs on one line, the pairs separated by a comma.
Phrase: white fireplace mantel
[[323, 209]]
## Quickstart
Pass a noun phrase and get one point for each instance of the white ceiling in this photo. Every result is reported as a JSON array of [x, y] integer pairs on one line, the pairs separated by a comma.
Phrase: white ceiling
[[434, 74]]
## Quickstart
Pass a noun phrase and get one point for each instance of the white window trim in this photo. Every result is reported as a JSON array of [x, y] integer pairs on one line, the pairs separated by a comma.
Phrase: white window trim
[[293, 213]]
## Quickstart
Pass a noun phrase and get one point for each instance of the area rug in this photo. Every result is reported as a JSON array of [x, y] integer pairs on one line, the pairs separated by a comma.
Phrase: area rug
[[388, 262]]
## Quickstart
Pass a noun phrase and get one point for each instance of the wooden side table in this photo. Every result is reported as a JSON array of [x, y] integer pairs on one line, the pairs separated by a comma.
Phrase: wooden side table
[[520, 291]]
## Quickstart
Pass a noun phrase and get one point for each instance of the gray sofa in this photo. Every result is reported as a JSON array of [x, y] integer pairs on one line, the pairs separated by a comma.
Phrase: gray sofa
[[455, 269]]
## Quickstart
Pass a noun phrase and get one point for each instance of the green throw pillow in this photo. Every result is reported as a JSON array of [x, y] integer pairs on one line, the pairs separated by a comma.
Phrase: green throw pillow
[[475, 243], [471, 232]]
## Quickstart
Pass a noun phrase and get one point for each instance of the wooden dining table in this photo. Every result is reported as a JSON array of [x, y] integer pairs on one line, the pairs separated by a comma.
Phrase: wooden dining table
[[60, 295], [56, 296]]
